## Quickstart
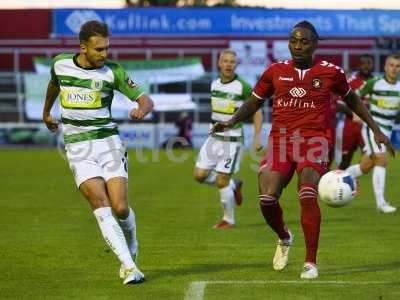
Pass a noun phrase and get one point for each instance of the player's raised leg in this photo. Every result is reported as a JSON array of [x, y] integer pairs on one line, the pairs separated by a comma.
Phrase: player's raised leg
[[374, 160], [206, 161], [117, 188], [364, 167], [205, 176], [95, 192]]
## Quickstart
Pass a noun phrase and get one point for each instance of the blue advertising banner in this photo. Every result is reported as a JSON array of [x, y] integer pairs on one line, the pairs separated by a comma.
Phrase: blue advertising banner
[[229, 21]]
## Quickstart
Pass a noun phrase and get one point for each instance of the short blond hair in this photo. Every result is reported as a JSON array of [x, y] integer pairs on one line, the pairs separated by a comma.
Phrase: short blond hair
[[393, 55], [227, 51]]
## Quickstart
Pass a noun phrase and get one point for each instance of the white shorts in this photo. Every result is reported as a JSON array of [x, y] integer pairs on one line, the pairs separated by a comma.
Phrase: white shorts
[[105, 158], [222, 156], [370, 147]]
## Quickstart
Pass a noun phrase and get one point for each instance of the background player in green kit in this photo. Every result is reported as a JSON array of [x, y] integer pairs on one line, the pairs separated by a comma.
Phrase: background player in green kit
[[220, 154], [384, 98], [98, 160]]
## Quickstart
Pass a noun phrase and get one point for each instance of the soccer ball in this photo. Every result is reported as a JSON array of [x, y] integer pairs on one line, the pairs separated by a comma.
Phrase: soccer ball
[[336, 188]]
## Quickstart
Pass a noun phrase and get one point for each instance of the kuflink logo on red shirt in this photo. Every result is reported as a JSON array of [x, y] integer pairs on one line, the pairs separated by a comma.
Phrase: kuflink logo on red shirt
[[297, 92], [297, 99]]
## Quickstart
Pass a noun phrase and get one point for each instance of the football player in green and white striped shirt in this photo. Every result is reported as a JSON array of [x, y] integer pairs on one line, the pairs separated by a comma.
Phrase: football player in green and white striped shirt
[[384, 97], [98, 160], [220, 155]]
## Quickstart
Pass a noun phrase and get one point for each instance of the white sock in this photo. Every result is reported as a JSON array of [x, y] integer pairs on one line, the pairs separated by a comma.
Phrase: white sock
[[232, 184], [378, 183], [211, 178], [355, 171], [227, 199], [128, 227], [113, 235]]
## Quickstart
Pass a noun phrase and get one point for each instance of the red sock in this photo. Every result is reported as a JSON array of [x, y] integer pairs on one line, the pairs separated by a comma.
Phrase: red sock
[[310, 220], [272, 213]]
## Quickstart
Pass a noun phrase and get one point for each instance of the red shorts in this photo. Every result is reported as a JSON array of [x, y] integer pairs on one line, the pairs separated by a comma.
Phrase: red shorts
[[286, 156], [352, 138]]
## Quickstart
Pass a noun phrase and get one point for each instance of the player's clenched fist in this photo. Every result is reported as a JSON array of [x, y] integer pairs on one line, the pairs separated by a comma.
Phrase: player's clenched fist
[[136, 114], [51, 123], [220, 126], [380, 138]]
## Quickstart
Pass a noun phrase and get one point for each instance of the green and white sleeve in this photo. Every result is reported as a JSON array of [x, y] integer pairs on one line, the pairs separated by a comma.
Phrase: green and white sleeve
[[124, 84], [367, 88]]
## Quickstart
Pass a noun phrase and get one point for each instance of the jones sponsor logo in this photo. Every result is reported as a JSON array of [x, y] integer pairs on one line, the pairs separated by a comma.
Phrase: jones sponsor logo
[[298, 92], [81, 97], [293, 102], [224, 106], [387, 104]]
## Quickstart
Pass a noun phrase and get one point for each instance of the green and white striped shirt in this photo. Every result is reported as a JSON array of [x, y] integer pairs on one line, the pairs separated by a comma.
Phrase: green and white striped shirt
[[226, 98], [86, 96], [384, 99]]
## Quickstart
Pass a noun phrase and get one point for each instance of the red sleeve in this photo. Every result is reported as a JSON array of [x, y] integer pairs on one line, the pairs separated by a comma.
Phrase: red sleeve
[[340, 85], [264, 87]]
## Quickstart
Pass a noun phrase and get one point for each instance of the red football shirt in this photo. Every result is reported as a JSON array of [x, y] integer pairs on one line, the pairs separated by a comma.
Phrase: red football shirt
[[301, 98], [357, 81]]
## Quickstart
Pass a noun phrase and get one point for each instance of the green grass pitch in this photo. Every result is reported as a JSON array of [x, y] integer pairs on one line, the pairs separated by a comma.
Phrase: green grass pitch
[[51, 248]]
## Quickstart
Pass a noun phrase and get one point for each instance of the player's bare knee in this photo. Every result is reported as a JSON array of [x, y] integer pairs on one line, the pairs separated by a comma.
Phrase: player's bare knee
[[94, 191], [270, 184], [380, 160], [269, 189], [121, 210], [221, 184], [97, 201], [366, 166], [222, 180], [309, 175], [200, 175]]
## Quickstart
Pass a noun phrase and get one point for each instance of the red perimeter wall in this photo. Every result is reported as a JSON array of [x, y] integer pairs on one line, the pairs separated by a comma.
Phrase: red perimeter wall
[[25, 24]]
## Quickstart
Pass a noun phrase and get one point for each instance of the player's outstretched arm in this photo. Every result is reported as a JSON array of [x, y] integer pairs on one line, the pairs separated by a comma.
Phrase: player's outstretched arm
[[356, 105], [53, 89], [248, 109], [343, 108], [145, 106]]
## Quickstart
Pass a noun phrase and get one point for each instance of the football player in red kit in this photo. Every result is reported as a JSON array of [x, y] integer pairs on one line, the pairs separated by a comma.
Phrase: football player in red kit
[[301, 91], [352, 138]]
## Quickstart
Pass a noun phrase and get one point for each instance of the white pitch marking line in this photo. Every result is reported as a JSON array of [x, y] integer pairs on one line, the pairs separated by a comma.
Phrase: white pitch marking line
[[295, 282], [196, 288]]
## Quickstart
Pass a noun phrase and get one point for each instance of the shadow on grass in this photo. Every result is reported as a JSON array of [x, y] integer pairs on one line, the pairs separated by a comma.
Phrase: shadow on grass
[[199, 269], [295, 222], [393, 266]]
